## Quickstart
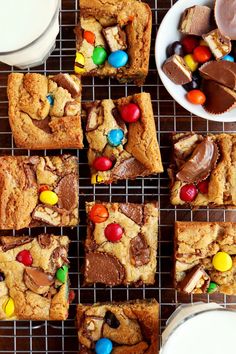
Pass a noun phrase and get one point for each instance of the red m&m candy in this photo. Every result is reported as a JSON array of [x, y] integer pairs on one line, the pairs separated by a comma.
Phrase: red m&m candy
[[130, 113], [113, 232], [189, 43], [102, 163], [98, 213], [25, 258], [203, 187], [188, 193], [202, 54]]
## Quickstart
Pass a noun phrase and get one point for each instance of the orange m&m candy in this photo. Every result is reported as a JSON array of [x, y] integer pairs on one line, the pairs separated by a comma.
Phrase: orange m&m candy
[[89, 37], [98, 213]]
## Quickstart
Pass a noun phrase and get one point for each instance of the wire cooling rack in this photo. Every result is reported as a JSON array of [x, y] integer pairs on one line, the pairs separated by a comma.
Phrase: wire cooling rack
[[60, 337]]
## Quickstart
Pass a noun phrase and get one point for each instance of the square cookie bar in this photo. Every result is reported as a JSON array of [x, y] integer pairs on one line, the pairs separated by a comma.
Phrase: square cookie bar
[[122, 139], [113, 39], [203, 171], [34, 282], [121, 243], [205, 257], [38, 191], [45, 112], [129, 327]]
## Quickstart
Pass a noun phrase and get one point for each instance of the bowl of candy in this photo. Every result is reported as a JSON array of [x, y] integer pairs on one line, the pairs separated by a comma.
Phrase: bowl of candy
[[195, 55]]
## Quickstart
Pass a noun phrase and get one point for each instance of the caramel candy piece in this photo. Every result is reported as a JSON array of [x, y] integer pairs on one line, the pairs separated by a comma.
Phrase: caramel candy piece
[[176, 70], [200, 164], [103, 268], [225, 17], [197, 278], [196, 20], [219, 44]]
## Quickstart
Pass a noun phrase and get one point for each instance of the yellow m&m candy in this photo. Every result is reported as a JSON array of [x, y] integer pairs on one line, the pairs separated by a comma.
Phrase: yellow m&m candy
[[96, 179], [190, 62], [79, 63], [9, 307], [222, 261], [48, 197]]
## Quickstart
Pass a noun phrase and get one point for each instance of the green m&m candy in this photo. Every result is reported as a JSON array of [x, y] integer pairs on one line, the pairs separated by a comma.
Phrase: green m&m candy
[[99, 55], [212, 287], [61, 274]]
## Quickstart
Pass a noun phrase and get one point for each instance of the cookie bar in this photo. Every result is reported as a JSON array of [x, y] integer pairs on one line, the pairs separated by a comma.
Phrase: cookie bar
[[34, 282], [122, 139], [45, 112], [121, 243], [129, 327], [113, 39], [203, 170], [38, 191], [205, 257]]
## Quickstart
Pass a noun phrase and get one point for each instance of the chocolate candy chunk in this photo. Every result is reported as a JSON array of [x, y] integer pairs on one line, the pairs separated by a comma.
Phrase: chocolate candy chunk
[[7, 243], [115, 37], [225, 17], [103, 268], [95, 117], [50, 215], [140, 251], [176, 70], [132, 211], [37, 280], [202, 161], [67, 192], [59, 256], [196, 20], [43, 124], [184, 146], [196, 279], [111, 320], [44, 240], [223, 72], [129, 168], [2, 276], [219, 44], [219, 99], [65, 81]]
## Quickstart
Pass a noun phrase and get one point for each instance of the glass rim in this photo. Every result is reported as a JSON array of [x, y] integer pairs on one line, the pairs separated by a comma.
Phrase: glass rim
[[189, 317], [37, 38]]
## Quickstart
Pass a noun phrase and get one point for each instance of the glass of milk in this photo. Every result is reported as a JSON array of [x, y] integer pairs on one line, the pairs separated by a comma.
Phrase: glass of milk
[[201, 328], [28, 30]]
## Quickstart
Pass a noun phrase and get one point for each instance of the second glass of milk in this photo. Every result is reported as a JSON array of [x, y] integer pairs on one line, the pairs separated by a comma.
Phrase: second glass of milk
[[201, 328], [28, 30]]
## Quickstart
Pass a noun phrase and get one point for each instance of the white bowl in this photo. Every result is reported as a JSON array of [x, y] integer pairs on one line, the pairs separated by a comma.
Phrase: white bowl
[[167, 34]]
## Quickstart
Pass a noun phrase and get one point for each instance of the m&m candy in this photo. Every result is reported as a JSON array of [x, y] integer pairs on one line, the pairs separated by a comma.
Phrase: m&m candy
[[212, 287], [89, 37], [48, 197], [95, 178], [130, 112], [79, 63], [9, 307], [196, 97], [203, 187], [98, 213], [113, 232], [222, 261], [61, 273], [228, 58], [202, 54], [99, 55], [118, 58], [50, 99], [175, 48], [102, 163], [188, 193], [115, 137], [189, 43], [190, 62], [25, 258], [195, 83], [103, 346], [2, 276]]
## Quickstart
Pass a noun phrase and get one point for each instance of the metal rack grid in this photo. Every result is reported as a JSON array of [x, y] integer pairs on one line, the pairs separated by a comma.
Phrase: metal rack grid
[[60, 337]]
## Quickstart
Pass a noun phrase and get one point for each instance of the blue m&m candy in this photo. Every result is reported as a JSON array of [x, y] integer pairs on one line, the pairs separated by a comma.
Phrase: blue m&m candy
[[50, 99], [115, 137], [103, 346], [228, 58], [118, 59]]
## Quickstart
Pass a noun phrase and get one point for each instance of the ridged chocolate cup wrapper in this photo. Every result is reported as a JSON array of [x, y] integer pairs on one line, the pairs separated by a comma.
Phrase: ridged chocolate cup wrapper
[[219, 99], [202, 161], [223, 72]]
